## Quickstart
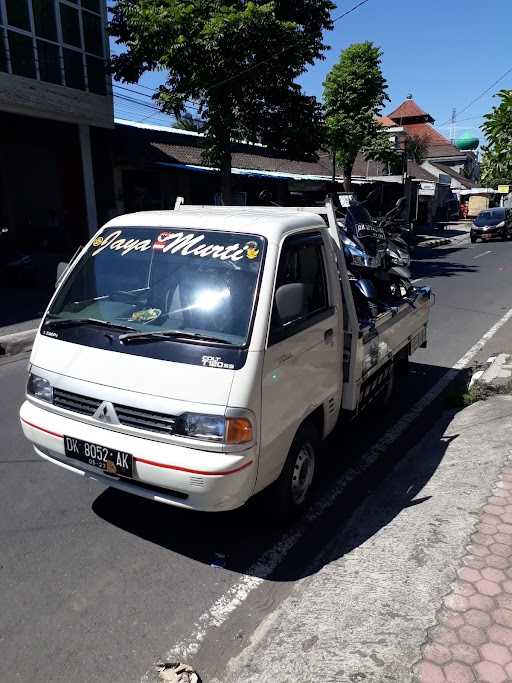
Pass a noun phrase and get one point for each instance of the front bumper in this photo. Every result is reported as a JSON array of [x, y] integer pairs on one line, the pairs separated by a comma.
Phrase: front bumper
[[185, 477], [485, 234]]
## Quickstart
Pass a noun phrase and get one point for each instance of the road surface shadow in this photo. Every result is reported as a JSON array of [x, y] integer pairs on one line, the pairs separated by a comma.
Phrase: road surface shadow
[[431, 263], [235, 540]]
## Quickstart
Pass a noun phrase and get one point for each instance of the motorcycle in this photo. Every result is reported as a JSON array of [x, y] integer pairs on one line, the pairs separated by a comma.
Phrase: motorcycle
[[376, 252]]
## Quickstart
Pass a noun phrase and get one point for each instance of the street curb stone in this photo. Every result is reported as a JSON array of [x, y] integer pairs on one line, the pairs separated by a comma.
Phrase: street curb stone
[[442, 241], [495, 372], [18, 342], [434, 243]]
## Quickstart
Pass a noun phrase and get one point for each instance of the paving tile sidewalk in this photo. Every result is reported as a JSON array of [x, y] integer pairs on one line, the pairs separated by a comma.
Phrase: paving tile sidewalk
[[472, 639]]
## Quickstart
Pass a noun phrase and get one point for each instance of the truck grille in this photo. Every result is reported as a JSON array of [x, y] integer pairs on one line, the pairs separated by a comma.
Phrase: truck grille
[[145, 419], [75, 402], [131, 417]]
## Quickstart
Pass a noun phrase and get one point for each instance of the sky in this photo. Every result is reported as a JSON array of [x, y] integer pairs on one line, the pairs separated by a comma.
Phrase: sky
[[445, 53]]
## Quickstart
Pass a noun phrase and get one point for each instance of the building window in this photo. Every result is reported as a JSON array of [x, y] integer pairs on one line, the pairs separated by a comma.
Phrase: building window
[[74, 69], [70, 25], [49, 62], [93, 5], [22, 55], [17, 14], [96, 75], [44, 19], [93, 36]]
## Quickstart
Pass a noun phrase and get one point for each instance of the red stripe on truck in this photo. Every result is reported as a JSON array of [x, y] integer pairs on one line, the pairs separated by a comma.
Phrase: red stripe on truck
[[189, 471], [41, 429], [152, 462]]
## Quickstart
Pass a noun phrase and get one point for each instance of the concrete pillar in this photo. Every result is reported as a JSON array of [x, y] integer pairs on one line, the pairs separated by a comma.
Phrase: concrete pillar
[[88, 174]]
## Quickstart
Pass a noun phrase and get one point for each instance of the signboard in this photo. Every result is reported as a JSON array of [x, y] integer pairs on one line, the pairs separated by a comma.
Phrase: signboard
[[503, 189], [427, 189]]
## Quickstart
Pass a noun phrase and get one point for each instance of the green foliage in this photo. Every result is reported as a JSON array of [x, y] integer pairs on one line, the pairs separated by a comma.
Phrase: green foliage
[[237, 59], [417, 148], [496, 165], [354, 92]]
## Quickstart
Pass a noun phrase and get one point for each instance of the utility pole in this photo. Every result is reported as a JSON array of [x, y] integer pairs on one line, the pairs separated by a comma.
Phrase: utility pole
[[452, 127], [404, 161]]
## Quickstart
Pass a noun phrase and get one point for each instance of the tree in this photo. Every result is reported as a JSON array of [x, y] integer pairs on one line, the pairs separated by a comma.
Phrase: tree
[[497, 154], [354, 92], [238, 60], [417, 148]]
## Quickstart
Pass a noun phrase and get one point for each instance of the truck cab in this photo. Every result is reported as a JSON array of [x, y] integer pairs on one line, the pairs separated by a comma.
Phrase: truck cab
[[195, 357]]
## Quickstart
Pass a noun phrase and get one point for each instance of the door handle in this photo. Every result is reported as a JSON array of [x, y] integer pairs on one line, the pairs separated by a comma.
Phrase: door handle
[[328, 335]]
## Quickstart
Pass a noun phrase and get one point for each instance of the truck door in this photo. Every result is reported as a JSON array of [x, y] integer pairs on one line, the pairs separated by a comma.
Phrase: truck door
[[301, 367]]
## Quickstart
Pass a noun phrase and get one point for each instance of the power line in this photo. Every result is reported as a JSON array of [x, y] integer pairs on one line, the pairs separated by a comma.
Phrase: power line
[[191, 103], [484, 92], [281, 52]]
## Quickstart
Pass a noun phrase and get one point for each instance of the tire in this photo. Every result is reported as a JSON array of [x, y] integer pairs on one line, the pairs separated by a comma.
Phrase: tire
[[293, 488], [473, 239]]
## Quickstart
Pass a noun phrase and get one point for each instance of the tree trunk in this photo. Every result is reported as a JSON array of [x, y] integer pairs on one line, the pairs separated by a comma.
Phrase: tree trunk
[[225, 179], [347, 178]]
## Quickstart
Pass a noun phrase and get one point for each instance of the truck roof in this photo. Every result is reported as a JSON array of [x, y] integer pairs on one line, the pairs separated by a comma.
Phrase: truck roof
[[270, 222]]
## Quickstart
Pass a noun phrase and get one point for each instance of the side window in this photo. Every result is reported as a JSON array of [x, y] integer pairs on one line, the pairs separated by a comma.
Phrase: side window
[[301, 286]]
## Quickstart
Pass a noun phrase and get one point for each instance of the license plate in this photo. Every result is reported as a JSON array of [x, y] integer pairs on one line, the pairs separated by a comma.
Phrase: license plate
[[110, 460]]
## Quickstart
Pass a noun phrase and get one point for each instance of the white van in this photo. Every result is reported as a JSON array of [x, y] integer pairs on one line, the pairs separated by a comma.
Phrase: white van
[[196, 356]]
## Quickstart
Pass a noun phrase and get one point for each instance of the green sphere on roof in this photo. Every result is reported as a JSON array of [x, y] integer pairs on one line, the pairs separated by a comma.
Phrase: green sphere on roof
[[467, 141]]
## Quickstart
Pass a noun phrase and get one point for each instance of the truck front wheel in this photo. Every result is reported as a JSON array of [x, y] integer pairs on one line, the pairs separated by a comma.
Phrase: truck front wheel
[[293, 488]]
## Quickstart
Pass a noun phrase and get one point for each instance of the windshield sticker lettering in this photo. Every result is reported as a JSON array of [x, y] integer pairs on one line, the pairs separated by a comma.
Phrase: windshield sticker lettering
[[115, 242], [190, 244], [216, 362]]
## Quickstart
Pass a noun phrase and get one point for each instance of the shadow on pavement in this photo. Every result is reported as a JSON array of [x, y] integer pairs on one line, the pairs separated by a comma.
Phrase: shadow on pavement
[[235, 540], [430, 263]]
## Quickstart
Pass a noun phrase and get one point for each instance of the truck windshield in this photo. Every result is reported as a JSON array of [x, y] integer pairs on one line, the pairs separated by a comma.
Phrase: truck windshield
[[199, 283]]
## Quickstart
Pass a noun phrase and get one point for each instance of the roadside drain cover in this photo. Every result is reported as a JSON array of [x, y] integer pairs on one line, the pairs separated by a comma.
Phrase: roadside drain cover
[[176, 672]]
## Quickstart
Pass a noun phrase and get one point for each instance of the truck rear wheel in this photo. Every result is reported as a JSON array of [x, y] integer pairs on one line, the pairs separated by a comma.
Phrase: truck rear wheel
[[293, 488]]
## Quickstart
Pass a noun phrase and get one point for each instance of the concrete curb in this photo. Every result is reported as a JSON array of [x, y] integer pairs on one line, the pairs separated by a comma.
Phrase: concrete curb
[[442, 241], [18, 342], [434, 243], [495, 373]]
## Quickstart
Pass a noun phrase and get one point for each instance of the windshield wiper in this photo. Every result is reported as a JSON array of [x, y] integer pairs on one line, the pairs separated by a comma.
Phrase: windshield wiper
[[57, 323], [170, 335]]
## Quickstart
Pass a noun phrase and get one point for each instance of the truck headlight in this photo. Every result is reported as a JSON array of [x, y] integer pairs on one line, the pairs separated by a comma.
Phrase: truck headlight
[[228, 430], [501, 225], [40, 388]]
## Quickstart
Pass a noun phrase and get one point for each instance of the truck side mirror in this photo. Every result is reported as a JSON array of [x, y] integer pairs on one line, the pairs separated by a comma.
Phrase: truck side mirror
[[290, 302], [62, 266]]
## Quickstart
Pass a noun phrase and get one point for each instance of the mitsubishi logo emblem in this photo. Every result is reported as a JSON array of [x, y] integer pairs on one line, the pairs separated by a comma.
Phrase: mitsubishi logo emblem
[[106, 413]]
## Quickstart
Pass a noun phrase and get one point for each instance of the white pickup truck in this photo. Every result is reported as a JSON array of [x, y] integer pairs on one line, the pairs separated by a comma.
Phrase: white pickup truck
[[197, 356]]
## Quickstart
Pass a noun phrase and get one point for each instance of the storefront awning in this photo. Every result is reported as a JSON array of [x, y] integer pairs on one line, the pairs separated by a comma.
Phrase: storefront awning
[[282, 175]]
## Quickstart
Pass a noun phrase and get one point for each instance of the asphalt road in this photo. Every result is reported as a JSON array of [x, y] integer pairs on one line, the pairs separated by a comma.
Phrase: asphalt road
[[97, 586]]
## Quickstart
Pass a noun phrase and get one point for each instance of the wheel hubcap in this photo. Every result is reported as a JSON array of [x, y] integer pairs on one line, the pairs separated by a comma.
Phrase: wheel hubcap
[[303, 471]]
